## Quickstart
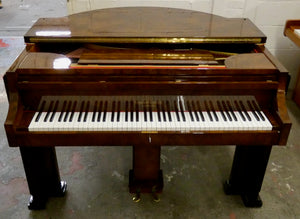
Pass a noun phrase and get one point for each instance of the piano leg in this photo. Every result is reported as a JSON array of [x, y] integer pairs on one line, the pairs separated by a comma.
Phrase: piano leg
[[146, 175], [42, 175], [247, 173]]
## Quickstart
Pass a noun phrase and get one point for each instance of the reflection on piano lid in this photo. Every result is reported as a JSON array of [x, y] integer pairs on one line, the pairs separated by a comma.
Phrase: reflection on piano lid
[[297, 31], [144, 25]]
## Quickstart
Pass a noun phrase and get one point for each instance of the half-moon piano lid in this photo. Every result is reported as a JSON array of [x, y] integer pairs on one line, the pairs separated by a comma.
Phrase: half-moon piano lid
[[144, 25]]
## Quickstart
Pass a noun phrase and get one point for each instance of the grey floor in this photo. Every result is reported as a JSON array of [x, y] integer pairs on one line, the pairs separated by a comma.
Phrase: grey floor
[[98, 177]]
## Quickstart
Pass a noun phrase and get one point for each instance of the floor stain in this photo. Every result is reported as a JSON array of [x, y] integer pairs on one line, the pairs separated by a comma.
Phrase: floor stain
[[11, 191], [76, 163], [3, 44]]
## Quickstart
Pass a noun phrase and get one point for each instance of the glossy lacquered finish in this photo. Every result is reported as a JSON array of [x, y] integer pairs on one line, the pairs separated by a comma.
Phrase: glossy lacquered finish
[[145, 51], [290, 30], [144, 25]]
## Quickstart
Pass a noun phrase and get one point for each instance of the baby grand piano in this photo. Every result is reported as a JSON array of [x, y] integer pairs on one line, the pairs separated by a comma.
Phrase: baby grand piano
[[146, 78]]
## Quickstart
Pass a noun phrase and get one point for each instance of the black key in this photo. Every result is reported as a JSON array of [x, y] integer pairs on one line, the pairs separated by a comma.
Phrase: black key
[[245, 111], [150, 111], [40, 111], [137, 110], [213, 111], [81, 111], [221, 110], [182, 110], [49, 111], [231, 110], [119, 109], [113, 111], [100, 111], [145, 111], [190, 111], [208, 110], [158, 111], [195, 111], [73, 111], [226, 110], [105, 111], [239, 110], [87, 109], [164, 111], [131, 111], [169, 110], [54, 111], [68, 111], [200, 111], [95, 111], [62, 111], [258, 110], [176, 111], [252, 110], [126, 111]]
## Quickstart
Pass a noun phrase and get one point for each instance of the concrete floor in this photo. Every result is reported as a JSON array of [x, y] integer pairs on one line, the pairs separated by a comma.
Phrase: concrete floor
[[98, 176]]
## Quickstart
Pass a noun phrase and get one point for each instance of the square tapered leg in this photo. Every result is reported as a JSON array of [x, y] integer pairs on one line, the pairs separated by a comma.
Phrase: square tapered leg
[[41, 169], [247, 173]]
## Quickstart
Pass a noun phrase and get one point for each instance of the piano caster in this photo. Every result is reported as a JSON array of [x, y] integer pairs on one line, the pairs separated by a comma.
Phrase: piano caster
[[37, 203], [252, 200], [137, 197], [155, 195], [62, 191], [228, 188]]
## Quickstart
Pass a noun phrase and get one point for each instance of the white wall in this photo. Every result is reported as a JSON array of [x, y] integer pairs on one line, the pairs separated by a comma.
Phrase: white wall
[[269, 15]]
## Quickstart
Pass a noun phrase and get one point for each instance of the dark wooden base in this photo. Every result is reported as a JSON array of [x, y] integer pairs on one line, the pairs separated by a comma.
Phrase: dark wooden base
[[247, 173], [145, 186], [146, 175]]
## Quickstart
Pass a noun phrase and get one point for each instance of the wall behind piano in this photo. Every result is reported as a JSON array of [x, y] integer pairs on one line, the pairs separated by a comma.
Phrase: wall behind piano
[[269, 15]]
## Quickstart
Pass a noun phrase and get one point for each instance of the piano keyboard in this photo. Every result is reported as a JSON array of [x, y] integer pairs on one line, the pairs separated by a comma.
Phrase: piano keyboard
[[148, 113]]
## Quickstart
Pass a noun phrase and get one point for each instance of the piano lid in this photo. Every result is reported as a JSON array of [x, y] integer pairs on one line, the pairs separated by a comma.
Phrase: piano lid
[[144, 25]]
